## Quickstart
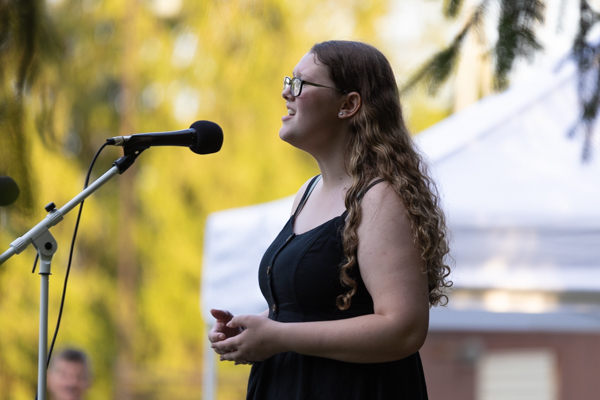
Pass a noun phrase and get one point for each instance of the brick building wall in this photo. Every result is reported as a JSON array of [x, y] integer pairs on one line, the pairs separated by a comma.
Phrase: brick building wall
[[451, 361]]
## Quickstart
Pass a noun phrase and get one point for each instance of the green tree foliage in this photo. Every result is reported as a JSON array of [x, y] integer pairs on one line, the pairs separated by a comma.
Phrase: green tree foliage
[[75, 72], [28, 41], [516, 27], [516, 39]]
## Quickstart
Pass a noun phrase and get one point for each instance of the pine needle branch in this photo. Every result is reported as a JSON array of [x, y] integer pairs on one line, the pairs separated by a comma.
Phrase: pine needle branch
[[436, 71], [516, 37], [452, 8], [587, 56]]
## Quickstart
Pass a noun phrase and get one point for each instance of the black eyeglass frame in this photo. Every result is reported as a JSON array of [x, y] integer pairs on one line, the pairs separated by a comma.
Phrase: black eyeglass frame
[[287, 81]]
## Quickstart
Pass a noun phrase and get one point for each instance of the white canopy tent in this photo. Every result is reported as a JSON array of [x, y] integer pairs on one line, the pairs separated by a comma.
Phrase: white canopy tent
[[523, 210]]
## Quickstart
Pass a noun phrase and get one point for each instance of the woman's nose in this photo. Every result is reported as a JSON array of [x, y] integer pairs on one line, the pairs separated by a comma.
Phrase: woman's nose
[[287, 92]]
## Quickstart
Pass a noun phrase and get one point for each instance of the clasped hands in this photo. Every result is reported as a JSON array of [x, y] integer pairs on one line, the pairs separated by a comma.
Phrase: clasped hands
[[242, 339]]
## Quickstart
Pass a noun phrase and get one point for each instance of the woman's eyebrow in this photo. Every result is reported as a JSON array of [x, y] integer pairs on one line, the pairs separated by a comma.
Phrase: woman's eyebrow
[[300, 75]]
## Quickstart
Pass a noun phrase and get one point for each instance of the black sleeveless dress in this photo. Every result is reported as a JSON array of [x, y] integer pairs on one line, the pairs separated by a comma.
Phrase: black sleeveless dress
[[299, 277]]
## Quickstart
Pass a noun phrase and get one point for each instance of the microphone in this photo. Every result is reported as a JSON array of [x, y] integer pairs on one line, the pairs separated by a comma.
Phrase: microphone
[[202, 137], [9, 191]]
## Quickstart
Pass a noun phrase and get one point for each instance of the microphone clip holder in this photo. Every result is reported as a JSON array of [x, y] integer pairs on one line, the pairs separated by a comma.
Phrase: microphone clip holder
[[131, 153], [46, 245]]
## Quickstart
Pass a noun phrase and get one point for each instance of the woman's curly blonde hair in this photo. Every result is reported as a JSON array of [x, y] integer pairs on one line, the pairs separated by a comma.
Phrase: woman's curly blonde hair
[[380, 146]]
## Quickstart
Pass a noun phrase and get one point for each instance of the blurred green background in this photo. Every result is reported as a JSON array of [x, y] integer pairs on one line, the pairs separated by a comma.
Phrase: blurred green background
[[74, 73]]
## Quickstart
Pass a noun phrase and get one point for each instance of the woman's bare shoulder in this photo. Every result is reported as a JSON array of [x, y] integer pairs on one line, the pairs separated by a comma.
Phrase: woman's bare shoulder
[[382, 207]]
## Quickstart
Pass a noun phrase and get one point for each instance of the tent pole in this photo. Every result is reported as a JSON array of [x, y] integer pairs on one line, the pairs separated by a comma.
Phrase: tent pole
[[210, 373]]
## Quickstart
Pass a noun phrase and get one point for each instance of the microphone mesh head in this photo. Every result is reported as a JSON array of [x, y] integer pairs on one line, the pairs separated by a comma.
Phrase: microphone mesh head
[[9, 191], [209, 137]]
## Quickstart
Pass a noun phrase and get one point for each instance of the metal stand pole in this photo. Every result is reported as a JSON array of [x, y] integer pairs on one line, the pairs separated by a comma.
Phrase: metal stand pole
[[46, 246], [43, 335], [44, 242]]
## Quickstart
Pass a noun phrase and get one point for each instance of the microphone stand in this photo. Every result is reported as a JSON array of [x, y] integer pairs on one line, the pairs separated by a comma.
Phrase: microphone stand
[[46, 245]]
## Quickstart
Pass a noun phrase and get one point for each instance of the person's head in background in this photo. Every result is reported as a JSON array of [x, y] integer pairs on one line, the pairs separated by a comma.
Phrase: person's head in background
[[69, 375]]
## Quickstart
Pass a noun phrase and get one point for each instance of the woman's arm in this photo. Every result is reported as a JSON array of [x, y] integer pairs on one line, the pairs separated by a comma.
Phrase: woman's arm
[[391, 269]]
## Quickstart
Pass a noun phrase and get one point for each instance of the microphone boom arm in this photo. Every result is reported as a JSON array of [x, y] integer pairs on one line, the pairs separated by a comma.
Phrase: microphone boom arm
[[46, 246], [55, 216]]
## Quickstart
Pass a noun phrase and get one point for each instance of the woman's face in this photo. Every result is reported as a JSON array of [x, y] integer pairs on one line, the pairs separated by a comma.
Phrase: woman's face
[[312, 122]]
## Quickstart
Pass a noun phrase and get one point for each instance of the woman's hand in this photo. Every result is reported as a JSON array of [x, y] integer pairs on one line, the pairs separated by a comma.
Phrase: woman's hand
[[256, 342], [220, 331]]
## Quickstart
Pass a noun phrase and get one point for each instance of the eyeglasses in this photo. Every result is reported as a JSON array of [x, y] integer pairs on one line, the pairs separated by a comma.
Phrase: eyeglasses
[[297, 83]]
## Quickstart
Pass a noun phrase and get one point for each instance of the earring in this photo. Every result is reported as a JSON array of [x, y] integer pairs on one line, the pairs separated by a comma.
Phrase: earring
[[342, 113]]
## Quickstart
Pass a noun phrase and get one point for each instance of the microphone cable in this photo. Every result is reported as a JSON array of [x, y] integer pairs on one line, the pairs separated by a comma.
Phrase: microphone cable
[[62, 301]]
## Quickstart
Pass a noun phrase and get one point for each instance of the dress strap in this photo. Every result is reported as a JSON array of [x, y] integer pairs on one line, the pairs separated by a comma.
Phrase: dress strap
[[306, 194], [365, 190], [362, 193]]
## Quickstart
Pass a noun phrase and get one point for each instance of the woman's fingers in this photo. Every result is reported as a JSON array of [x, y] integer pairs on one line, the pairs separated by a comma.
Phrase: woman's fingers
[[224, 346], [222, 351], [221, 315], [214, 337], [220, 331], [219, 350], [239, 321], [235, 357]]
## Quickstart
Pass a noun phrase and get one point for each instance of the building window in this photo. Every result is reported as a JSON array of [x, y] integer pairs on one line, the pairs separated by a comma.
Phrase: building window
[[527, 374]]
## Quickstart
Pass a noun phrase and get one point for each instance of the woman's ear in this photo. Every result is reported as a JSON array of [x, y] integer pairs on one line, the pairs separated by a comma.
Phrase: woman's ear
[[351, 105]]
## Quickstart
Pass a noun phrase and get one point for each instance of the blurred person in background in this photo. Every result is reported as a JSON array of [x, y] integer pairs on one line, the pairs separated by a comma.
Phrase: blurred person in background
[[69, 375], [350, 278]]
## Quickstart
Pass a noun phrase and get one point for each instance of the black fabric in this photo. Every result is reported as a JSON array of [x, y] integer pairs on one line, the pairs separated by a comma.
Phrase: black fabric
[[299, 277]]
